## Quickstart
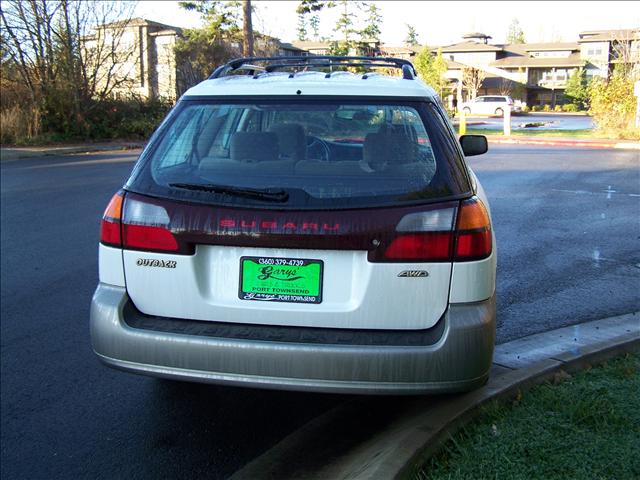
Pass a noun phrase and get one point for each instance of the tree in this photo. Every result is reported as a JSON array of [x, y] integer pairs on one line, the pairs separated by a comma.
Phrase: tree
[[515, 34], [577, 88], [315, 26], [247, 29], [310, 6], [412, 36], [472, 79], [306, 7], [372, 30], [201, 50], [431, 69], [68, 55], [302, 27]]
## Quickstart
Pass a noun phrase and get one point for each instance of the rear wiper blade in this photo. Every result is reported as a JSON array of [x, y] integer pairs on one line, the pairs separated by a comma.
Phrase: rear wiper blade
[[267, 194]]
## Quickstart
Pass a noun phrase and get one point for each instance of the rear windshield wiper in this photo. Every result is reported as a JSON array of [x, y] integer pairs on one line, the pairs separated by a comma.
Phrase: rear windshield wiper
[[267, 194]]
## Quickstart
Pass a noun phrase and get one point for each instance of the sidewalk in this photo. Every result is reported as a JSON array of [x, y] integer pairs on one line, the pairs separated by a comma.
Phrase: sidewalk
[[371, 438], [15, 153]]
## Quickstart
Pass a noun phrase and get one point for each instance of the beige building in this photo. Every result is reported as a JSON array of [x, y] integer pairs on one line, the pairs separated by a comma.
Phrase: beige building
[[540, 69], [135, 58]]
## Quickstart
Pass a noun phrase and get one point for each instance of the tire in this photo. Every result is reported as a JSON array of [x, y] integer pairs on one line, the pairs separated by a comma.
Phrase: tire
[[467, 110], [499, 112]]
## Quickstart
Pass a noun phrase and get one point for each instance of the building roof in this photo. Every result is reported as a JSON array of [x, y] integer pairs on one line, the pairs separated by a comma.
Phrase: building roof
[[401, 49], [608, 35], [309, 45], [515, 61], [549, 46], [140, 22], [312, 83], [290, 46], [453, 65], [469, 47]]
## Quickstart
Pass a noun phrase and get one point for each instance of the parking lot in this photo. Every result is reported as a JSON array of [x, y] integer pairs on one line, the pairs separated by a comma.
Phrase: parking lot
[[568, 234]]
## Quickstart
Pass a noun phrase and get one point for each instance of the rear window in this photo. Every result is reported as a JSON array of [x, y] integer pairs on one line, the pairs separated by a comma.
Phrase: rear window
[[303, 154]]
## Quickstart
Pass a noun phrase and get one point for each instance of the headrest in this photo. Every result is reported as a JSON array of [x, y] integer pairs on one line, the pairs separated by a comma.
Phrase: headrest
[[387, 148], [291, 140], [254, 146]]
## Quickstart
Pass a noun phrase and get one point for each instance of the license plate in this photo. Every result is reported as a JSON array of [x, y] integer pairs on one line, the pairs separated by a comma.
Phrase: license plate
[[270, 279]]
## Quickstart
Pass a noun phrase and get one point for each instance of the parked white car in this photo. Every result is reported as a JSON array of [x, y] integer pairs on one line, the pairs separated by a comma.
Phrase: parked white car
[[306, 230], [490, 105]]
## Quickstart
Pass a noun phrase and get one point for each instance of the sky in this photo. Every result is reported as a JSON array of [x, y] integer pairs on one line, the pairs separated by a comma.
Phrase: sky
[[437, 23]]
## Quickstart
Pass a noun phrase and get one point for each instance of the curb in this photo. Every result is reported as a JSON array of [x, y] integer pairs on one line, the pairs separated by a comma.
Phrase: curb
[[393, 435], [565, 143], [8, 154]]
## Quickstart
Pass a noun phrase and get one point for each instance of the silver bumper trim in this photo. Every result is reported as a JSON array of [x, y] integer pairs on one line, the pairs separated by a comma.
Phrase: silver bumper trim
[[460, 360]]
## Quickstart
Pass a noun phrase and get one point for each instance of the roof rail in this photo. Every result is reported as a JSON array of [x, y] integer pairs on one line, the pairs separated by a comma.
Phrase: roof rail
[[306, 61]]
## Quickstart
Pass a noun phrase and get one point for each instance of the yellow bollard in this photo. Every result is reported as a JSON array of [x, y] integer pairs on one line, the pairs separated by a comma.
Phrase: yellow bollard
[[462, 128]]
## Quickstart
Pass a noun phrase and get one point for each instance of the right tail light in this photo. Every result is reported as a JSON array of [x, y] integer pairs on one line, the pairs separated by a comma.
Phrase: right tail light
[[443, 235]]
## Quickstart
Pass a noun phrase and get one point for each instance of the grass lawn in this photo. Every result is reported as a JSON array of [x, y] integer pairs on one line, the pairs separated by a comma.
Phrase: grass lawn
[[586, 427], [534, 132]]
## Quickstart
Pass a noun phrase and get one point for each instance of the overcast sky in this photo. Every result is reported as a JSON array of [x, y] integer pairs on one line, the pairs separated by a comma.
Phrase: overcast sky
[[437, 23]]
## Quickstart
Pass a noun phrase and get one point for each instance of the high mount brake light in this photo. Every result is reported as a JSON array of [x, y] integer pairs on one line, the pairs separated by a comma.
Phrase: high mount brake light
[[431, 237], [136, 225]]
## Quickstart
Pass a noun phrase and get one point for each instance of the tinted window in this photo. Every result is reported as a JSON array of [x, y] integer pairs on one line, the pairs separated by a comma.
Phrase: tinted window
[[323, 154]]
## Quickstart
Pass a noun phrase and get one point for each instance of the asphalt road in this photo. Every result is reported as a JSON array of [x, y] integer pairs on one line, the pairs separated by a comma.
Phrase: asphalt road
[[567, 224]]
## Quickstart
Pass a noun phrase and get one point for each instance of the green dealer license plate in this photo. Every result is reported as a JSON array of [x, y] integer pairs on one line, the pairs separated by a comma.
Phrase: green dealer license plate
[[272, 279]]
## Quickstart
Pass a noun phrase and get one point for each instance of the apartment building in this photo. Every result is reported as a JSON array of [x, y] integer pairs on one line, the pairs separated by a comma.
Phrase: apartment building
[[538, 72], [534, 73], [145, 63]]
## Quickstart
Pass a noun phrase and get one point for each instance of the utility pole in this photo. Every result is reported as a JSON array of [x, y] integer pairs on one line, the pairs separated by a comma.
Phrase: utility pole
[[247, 30]]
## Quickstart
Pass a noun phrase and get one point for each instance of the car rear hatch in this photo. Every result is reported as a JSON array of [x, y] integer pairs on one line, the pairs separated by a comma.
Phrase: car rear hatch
[[323, 213]]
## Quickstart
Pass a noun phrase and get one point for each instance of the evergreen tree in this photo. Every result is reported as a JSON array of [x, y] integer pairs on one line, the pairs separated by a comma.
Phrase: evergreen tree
[[374, 20], [302, 27], [315, 26], [515, 34], [577, 89], [412, 36]]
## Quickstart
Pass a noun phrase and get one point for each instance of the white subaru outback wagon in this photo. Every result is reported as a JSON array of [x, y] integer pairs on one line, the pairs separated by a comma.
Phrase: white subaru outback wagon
[[295, 225]]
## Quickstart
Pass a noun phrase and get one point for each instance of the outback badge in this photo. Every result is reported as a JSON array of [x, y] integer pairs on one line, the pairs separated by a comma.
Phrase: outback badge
[[414, 273]]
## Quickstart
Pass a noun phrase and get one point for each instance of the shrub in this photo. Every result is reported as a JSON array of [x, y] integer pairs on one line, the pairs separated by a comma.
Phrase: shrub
[[546, 108], [536, 108], [131, 118], [570, 107], [17, 123], [525, 108], [557, 108], [613, 105]]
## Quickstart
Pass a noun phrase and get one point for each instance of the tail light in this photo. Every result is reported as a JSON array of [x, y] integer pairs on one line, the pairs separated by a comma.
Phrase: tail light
[[110, 225], [133, 224], [432, 236], [473, 232]]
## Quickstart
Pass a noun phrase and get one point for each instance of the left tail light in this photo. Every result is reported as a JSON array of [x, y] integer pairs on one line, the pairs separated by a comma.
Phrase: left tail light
[[110, 233], [133, 224]]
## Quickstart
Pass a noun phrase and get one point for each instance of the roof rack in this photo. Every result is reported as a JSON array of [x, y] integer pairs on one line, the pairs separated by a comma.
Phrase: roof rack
[[306, 61]]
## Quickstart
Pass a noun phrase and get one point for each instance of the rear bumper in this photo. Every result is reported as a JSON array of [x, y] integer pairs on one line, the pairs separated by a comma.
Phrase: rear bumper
[[459, 360]]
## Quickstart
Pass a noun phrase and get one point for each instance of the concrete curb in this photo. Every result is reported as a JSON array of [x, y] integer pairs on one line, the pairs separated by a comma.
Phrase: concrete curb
[[550, 141], [8, 154], [395, 435]]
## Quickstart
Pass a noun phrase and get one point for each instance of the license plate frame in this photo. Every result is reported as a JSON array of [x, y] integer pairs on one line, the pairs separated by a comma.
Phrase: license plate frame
[[286, 281]]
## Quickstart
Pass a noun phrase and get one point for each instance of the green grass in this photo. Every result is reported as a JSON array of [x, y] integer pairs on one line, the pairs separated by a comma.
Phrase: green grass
[[534, 132], [587, 427]]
